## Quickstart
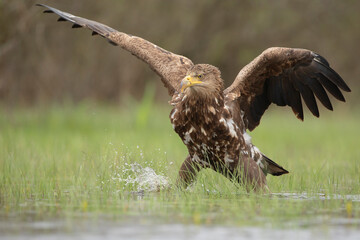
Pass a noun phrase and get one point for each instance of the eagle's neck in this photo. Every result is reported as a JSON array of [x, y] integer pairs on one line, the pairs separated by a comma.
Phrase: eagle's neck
[[205, 109], [192, 111]]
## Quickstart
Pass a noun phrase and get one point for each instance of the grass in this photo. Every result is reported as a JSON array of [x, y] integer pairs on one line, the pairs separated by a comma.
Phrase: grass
[[69, 161]]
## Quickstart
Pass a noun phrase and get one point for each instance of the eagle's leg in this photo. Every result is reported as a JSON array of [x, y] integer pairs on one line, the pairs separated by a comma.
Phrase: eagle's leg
[[249, 174], [188, 172], [246, 172]]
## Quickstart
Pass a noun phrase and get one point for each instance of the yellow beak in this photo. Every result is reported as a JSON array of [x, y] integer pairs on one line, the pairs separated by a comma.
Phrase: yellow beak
[[189, 81]]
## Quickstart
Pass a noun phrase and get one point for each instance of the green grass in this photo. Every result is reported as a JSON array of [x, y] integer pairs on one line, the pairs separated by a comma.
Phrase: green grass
[[67, 161]]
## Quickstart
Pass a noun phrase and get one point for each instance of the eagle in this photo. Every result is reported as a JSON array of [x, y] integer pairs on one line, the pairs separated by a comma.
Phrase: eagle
[[213, 122]]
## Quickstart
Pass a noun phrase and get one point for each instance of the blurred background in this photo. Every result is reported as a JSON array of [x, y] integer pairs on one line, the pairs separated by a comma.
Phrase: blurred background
[[43, 61]]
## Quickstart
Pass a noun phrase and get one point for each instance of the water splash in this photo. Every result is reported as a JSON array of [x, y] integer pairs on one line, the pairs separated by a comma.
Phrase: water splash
[[142, 178], [128, 175]]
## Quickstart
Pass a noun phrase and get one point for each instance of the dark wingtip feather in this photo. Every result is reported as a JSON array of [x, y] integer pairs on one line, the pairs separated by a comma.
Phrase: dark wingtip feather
[[318, 90], [61, 19], [307, 95], [76, 26], [320, 59], [94, 33], [330, 73], [298, 111], [299, 116], [47, 11], [330, 87]]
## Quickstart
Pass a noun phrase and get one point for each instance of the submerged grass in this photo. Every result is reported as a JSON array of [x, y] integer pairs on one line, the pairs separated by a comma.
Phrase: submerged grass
[[71, 160]]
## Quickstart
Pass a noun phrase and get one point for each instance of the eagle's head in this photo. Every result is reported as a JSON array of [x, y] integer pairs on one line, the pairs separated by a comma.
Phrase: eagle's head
[[202, 80]]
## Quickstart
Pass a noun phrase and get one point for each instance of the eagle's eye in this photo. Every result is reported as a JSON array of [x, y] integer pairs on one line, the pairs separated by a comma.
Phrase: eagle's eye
[[199, 76]]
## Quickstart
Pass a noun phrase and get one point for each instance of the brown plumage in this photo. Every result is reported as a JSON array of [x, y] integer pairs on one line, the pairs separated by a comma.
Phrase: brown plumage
[[213, 122]]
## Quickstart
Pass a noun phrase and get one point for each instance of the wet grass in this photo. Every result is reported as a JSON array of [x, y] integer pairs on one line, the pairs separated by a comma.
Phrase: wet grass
[[74, 161]]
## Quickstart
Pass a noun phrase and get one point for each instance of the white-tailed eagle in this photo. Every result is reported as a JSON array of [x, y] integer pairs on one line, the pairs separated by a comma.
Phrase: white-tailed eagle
[[213, 121]]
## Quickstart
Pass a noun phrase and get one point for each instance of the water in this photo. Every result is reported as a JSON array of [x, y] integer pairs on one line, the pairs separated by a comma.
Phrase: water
[[318, 196], [144, 229], [146, 179]]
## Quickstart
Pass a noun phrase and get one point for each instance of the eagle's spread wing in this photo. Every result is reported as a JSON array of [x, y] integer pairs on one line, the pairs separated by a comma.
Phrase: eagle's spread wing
[[169, 66], [281, 76]]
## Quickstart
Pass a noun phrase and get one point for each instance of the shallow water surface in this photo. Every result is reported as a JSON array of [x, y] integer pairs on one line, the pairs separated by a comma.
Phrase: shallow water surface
[[143, 229]]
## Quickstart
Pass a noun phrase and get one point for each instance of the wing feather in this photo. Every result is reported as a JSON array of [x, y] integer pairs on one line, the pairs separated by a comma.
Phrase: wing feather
[[169, 66], [331, 87], [284, 76], [318, 90], [331, 75], [307, 95], [294, 98]]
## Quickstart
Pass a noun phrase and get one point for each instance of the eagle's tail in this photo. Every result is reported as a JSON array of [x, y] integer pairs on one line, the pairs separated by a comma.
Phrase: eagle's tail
[[272, 167]]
